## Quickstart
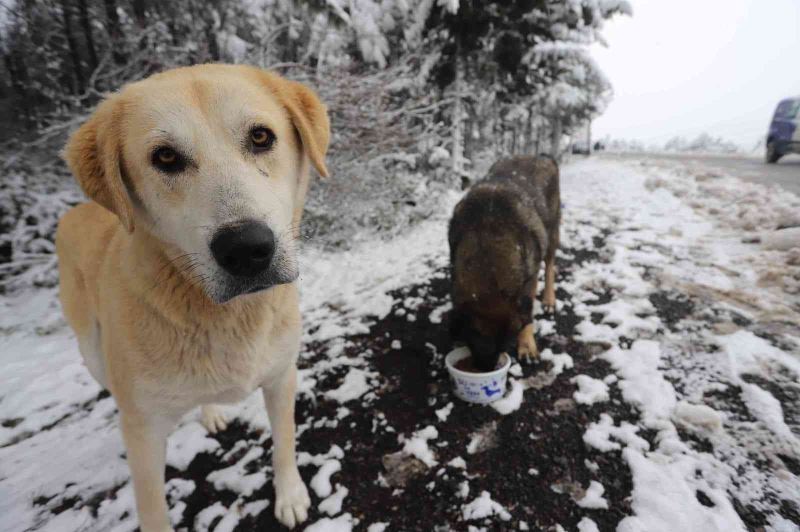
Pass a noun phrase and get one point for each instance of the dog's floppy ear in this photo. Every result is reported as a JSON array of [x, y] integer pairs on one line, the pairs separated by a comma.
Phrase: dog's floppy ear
[[94, 155], [309, 116]]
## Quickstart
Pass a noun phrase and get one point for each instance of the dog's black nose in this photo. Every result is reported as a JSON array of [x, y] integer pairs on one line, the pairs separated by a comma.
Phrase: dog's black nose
[[244, 249]]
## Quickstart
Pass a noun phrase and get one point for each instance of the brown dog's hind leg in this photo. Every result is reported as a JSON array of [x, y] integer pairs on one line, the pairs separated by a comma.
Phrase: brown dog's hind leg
[[549, 296], [526, 345]]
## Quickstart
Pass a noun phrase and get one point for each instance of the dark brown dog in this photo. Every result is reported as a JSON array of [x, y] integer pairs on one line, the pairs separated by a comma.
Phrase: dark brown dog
[[499, 234]]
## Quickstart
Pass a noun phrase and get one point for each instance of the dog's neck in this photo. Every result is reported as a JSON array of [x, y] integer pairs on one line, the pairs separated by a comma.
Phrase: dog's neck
[[166, 281]]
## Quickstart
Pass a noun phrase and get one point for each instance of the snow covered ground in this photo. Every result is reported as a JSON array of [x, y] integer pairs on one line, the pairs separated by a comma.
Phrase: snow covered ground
[[667, 397]]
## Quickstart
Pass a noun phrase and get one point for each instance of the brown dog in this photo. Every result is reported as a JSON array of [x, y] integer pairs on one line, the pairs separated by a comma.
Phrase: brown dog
[[178, 278], [499, 234]]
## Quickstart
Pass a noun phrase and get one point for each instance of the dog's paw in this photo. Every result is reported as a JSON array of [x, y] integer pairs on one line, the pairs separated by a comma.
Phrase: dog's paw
[[526, 345], [291, 500], [549, 303], [213, 419]]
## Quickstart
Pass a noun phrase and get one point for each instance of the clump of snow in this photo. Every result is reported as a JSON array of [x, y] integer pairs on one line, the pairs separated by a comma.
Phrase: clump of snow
[[699, 416], [343, 523], [417, 445], [354, 386], [641, 382], [333, 504], [187, 442], [664, 498], [512, 400], [206, 516], [321, 482], [594, 497], [587, 525], [599, 435], [589, 390], [444, 412], [483, 507], [304, 458], [234, 478], [377, 527], [560, 362], [766, 408], [437, 313], [458, 463], [784, 240]]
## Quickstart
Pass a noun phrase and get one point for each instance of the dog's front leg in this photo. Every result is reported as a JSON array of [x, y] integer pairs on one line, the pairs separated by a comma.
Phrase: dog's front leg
[[291, 495], [146, 443]]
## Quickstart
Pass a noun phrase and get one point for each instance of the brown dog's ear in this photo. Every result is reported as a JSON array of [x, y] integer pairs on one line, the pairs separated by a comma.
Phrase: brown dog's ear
[[94, 154], [309, 116]]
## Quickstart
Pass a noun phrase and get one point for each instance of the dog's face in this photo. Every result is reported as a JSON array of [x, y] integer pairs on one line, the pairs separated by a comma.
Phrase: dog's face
[[212, 161]]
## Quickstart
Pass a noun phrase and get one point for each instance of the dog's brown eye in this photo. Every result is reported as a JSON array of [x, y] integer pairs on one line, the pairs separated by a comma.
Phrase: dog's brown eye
[[262, 138], [168, 160]]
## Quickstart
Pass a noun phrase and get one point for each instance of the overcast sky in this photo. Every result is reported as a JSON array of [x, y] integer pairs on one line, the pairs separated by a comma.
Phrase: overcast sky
[[682, 67]]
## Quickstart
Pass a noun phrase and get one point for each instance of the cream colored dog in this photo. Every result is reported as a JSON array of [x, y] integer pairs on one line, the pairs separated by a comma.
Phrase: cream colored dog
[[178, 278]]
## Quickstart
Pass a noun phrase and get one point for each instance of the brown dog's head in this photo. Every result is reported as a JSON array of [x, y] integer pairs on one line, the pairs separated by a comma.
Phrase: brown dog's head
[[211, 160]]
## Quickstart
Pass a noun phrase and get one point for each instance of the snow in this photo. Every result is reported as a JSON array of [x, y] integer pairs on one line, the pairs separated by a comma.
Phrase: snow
[[321, 482], [589, 390], [698, 416], [417, 445], [641, 382], [444, 412], [458, 463], [593, 498], [333, 504], [766, 408], [601, 434], [354, 386], [560, 361], [664, 499], [234, 477], [483, 507], [512, 400], [343, 523], [587, 525]]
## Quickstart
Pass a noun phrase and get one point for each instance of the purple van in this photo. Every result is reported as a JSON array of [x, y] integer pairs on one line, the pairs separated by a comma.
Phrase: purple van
[[784, 133]]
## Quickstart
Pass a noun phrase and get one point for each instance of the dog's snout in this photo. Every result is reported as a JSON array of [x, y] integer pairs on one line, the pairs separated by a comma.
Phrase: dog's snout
[[244, 249]]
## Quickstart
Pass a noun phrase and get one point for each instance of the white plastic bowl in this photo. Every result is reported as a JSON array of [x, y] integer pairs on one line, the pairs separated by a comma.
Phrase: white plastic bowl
[[481, 388]]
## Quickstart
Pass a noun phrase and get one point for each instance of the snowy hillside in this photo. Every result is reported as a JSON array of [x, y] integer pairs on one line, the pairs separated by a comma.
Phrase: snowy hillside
[[666, 398]]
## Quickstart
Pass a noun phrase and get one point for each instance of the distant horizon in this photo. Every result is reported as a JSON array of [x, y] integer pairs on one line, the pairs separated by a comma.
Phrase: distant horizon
[[684, 68]]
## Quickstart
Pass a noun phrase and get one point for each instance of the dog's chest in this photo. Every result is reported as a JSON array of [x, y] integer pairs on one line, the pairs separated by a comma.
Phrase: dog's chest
[[224, 368]]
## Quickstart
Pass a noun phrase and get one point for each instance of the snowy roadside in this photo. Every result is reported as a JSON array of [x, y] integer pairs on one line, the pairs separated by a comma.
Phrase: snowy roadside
[[679, 386]]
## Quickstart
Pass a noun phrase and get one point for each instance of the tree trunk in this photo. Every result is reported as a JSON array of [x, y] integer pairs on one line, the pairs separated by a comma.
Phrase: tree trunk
[[83, 11], [114, 32], [19, 79], [78, 80], [457, 132], [555, 138], [211, 38], [139, 13]]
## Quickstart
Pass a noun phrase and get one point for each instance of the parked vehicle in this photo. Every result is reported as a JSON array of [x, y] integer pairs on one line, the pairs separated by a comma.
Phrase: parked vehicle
[[580, 147], [784, 130]]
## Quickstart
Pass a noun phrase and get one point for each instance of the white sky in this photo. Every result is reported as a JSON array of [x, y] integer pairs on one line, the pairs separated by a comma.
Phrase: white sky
[[682, 67]]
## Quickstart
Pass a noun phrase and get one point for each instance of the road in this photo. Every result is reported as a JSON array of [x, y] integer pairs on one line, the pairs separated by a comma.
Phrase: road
[[785, 173]]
